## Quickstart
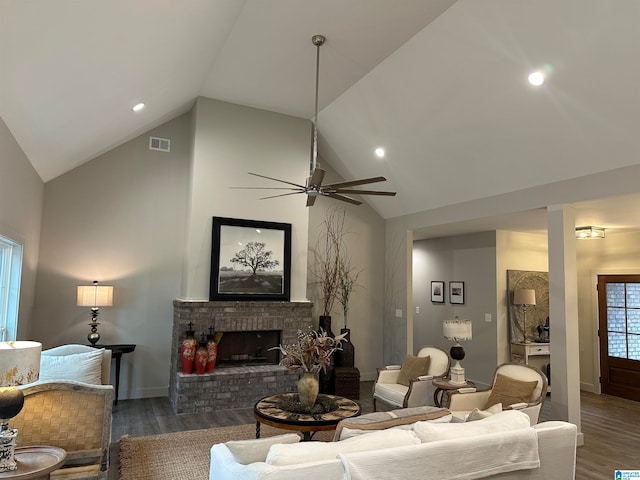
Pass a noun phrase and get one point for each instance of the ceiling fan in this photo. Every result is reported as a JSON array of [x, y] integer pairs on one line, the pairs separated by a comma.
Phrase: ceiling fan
[[313, 186]]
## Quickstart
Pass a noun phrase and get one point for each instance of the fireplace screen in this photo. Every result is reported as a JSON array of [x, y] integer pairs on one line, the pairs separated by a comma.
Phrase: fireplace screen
[[249, 348]]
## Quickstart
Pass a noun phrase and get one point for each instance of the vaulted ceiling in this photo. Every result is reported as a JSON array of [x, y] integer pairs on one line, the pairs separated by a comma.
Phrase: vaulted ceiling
[[440, 84]]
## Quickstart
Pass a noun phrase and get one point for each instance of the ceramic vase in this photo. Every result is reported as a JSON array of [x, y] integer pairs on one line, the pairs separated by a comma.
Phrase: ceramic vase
[[188, 352], [347, 356], [202, 357], [308, 389], [212, 355]]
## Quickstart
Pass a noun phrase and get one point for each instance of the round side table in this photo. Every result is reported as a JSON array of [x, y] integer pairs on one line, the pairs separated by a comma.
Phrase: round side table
[[444, 385], [36, 462]]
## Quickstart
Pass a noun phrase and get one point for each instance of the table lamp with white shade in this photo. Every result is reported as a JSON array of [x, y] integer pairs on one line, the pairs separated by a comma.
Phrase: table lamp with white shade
[[19, 365], [457, 331], [94, 296]]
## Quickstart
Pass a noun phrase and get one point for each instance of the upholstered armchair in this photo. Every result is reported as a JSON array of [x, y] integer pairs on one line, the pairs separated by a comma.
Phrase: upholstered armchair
[[516, 386], [416, 390], [73, 415]]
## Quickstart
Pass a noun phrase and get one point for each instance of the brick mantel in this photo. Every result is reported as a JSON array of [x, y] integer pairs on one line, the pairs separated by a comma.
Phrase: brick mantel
[[238, 386]]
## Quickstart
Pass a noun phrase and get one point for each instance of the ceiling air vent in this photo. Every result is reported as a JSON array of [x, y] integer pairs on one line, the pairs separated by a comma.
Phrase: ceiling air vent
[[161, 144]]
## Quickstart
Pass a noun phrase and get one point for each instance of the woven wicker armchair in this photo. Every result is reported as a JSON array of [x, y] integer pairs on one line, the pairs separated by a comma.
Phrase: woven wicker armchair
[[71, 415]]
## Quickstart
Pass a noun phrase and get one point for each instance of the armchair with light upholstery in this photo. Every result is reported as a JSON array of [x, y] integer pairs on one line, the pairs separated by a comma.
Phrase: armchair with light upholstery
[[419, 391], [519, 387], [70, 414]]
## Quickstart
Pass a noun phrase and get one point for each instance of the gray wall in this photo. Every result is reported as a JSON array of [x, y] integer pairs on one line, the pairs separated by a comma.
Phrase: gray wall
[[466, 258], [141, 220], [118, 219], [21, 193]]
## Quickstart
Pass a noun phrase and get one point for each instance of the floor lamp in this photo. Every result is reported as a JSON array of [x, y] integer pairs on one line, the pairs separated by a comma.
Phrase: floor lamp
[[524, 297]]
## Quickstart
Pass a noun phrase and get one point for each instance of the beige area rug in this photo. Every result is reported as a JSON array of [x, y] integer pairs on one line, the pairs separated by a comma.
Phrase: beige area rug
[[172, 456]]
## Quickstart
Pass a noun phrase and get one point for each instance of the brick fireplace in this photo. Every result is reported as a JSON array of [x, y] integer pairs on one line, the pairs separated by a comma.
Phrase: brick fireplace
[[246, 373]]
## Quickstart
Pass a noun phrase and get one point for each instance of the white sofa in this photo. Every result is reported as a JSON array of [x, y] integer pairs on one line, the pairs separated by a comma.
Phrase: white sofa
[[499, 447]]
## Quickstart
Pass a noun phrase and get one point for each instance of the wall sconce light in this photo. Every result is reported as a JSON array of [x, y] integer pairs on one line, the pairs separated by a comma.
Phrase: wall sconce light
[[94, 296], [589, 231], [457, 331], [19, 365]]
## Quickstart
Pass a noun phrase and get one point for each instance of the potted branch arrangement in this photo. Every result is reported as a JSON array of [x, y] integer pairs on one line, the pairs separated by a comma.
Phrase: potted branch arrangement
[[337, 279], [311, 354]]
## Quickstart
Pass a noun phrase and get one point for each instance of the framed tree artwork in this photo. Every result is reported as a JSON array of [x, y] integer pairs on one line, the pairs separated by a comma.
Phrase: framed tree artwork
[[456, 292], [437, 292], [250, 260]]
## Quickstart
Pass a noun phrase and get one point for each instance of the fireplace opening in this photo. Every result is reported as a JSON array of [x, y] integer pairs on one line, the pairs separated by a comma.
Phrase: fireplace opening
[[249, 348]]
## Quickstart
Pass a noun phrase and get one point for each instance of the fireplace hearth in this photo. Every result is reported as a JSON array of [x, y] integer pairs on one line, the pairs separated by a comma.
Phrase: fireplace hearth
[[245, 370]]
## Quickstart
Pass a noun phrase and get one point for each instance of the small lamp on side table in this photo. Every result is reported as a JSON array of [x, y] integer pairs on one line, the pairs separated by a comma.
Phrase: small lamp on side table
[[19, 365], [457, 331]]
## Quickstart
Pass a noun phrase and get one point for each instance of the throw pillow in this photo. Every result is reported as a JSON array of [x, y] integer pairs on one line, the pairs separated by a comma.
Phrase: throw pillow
[[305, 452], [500, 422], [507, 391], [256, 450], [78, 367], [413, 367], [403, 418], [477, 414]]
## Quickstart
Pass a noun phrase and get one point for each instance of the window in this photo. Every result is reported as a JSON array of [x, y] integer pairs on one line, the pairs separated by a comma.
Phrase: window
[[10, 273]]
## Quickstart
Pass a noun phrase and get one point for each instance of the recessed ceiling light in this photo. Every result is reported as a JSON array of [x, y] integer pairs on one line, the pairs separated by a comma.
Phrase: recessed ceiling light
[[138, 107], [536, 78], [380, 152]]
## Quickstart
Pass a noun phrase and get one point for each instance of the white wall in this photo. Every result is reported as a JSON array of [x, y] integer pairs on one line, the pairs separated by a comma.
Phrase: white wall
[[21, 193], [230, 141], [515, 251], [617, 254]]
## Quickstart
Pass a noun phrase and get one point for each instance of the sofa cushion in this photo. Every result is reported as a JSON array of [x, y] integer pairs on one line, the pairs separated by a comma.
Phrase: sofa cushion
[[507, 391], [79, 367], [314, 451], [500, 422], [400, 418], [256, 450], [413, 367], [477, 414]]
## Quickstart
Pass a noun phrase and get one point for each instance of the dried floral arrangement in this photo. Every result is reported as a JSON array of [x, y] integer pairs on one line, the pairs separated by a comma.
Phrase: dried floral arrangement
[[311, 352]]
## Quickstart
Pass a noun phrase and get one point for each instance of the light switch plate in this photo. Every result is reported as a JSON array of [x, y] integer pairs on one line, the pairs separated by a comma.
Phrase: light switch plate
[[487, 317], [398, 313]]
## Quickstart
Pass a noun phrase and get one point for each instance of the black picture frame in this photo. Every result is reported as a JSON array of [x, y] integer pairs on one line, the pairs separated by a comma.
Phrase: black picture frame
[[437, 291], [456, 293], [234, 280]]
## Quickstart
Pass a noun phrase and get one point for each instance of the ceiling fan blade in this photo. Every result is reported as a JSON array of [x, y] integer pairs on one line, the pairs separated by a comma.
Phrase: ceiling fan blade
[[354, 183], [311, 199], [316, 178], [278, 180], [344, 198], [281, 195], [264, 188], [365, 192]]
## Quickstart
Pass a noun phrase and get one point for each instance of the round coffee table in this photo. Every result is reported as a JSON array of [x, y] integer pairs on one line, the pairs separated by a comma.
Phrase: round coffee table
[[269, 412]]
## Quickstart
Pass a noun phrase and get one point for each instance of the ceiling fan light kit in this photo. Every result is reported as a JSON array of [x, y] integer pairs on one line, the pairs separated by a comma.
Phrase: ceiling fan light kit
[[313, 186]]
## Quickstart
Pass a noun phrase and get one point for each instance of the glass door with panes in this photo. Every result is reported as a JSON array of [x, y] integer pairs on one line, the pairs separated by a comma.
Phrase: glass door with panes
[[619, 330]]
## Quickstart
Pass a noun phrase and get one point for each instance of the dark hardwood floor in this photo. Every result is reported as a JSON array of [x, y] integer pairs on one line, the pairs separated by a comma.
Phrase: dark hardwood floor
[[609, 425]]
